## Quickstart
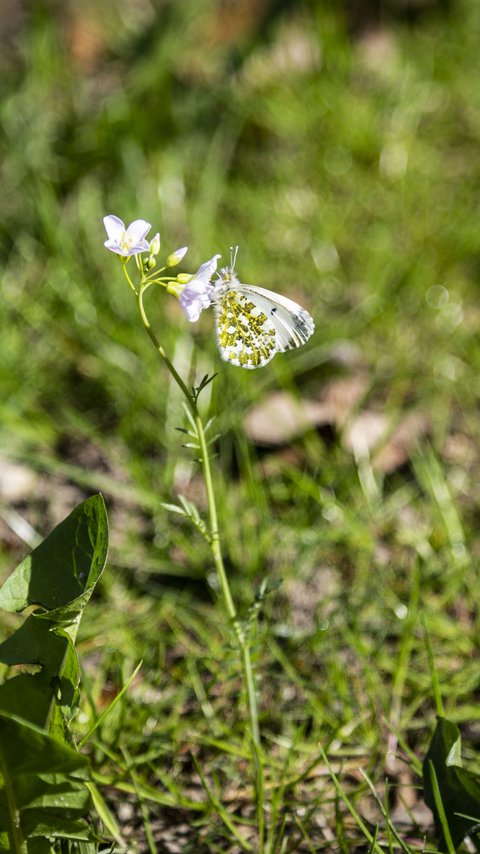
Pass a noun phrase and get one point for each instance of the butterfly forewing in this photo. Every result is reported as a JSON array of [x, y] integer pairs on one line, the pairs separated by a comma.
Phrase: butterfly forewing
[[293, 325]]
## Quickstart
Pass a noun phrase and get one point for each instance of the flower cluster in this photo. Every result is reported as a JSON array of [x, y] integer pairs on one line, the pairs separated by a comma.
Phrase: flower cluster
[[194, 291]]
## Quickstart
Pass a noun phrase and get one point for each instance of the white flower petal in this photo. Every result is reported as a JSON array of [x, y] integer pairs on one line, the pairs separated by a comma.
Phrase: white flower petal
[[206, 270], [114, 247], [136, 231], [115, 228], [195, 296], [193, 309]]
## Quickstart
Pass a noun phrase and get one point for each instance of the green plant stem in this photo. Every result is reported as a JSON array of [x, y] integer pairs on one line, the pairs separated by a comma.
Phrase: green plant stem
[[216, 549], [243, 643], [156, 343], [215, 544]]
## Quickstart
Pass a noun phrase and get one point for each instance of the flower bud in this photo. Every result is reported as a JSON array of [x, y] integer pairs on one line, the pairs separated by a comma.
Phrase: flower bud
[[177, 256], [174, 288], [184, 278], [155, 245]]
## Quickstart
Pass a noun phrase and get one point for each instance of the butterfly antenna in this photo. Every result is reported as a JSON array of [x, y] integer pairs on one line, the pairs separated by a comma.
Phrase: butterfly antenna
[[233, 256]]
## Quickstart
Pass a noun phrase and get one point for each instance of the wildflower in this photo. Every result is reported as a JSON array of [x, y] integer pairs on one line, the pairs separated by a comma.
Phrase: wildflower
[[126, 242], [197, 293]]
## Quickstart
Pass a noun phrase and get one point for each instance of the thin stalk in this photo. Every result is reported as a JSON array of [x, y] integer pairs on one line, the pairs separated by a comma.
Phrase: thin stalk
[[216, 550], [156, 343], [215, 544]]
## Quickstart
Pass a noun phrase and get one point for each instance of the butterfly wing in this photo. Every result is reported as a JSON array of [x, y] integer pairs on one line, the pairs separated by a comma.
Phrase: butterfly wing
[[246, 336], [293, 325]]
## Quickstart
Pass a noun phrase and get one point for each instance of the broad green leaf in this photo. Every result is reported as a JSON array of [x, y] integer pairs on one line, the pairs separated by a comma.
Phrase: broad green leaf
[[42, 791], [43, 794], [27, 749], [49, 697], [30, 698], [60, 574], [459, 789], [67, 563], [45, 823], [35, 642], [53, 791]]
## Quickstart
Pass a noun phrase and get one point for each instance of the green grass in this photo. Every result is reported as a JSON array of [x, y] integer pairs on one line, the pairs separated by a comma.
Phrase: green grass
[[351, 184]]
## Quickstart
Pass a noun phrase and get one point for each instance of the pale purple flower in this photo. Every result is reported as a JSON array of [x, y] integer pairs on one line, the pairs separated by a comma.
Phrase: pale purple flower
[[197, 293], [126, 241]]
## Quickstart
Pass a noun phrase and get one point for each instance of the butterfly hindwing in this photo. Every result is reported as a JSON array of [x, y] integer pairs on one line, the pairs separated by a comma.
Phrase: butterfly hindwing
[[245, 335], [254, 323]]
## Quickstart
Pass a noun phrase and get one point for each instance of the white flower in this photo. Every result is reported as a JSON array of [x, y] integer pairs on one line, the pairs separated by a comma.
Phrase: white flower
[[126, 242], [197, 293], [177, 256]]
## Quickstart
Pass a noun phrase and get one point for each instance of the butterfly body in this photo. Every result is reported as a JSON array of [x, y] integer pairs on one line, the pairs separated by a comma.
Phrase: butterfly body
[[253, 324]]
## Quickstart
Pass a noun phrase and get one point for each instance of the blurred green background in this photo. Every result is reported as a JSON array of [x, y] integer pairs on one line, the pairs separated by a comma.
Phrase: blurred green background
[[335, 143], [338, 145]]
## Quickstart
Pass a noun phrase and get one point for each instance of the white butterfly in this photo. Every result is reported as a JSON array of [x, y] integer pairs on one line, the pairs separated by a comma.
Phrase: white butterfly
[[254, 323]]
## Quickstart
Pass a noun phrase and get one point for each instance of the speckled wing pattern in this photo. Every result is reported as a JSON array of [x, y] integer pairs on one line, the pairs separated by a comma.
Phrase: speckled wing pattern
[[254, 323]]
